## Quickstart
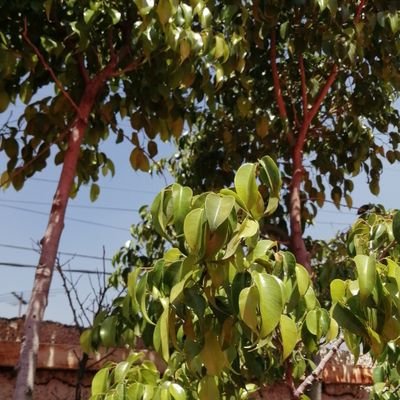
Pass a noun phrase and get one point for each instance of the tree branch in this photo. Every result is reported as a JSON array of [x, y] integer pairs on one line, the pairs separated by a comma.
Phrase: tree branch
[[49, 69], [275, 76], [359, 10], [317, 371], [296, 235], [321, 96], [303, 86]]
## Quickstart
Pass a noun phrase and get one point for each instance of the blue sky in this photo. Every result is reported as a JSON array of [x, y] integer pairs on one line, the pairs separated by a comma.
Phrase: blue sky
[[23, 217]]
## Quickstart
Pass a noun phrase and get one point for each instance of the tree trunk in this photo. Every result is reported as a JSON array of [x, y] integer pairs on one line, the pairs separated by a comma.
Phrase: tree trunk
[[38, 302], [297, 244]]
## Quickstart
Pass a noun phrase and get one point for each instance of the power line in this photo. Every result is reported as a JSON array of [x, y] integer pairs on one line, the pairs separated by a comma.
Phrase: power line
[[75, 271], [45, 203], [12, 246], [120, 189], [83, 221]]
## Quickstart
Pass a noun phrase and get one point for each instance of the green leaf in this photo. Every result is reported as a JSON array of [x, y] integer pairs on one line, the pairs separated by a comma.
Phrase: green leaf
[[208, 388], [114, 14], [270, 175], [396, 226], [317, 322], [177, 391], [133, 278], [245, 184], [181, 199], [144, 6], [85, 341], [121, 370], [89, 15], [160, 335], [289, 335], [271, 301], [333, 331], [218, 209], [100, 382], [108, 331], [193, 229], [94, 192], [213, 357], [303, 279], [348, 321], [248, 301], [338, 290], [366, 270]]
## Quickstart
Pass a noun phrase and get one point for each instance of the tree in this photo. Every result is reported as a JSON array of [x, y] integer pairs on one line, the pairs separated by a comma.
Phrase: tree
[[316, 91], [101, 59], [316, 84], [230, 312]]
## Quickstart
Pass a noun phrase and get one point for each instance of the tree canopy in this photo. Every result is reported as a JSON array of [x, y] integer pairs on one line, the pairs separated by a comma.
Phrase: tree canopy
[[310, 85]]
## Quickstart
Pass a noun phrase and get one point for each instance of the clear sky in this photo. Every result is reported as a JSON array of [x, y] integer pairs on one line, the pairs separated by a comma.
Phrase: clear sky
[[106, 223]]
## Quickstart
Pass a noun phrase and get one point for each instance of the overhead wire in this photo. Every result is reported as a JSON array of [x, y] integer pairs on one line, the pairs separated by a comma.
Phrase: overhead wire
[[46, 203], [120, 189], [83, 221], [72, 270], [64, 253]]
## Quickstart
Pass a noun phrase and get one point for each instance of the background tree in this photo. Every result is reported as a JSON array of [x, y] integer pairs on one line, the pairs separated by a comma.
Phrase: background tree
[[316, 91], [101, 60]]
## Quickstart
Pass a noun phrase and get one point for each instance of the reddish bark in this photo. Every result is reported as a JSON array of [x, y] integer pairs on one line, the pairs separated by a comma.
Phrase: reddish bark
[[296, 232], [50, 242], [297, 244], [275, 76], [359, 10]]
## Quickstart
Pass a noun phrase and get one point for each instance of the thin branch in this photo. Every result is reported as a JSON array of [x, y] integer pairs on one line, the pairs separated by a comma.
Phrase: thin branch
[[68, 293], [303, 86], [386, 250], [359, 10], [48, 68], [321, 96], [80, 303], [275, 76], [317, 371], [133, 66]]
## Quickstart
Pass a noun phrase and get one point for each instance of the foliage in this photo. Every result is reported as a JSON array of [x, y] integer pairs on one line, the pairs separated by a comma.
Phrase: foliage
[[225, 308], [123, 47], [356, 125]]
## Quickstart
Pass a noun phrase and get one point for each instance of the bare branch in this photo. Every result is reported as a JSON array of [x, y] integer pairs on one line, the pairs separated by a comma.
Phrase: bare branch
[[68, 293], [317, 371], [48, 68]]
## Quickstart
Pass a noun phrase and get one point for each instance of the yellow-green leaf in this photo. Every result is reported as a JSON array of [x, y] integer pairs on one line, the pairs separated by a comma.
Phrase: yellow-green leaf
[[289, 335]]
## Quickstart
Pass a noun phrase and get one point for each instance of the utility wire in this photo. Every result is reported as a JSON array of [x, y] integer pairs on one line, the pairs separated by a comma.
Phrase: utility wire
[[120, 189], [63, 253], [77, 271], [83, 221], [45, 203]]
